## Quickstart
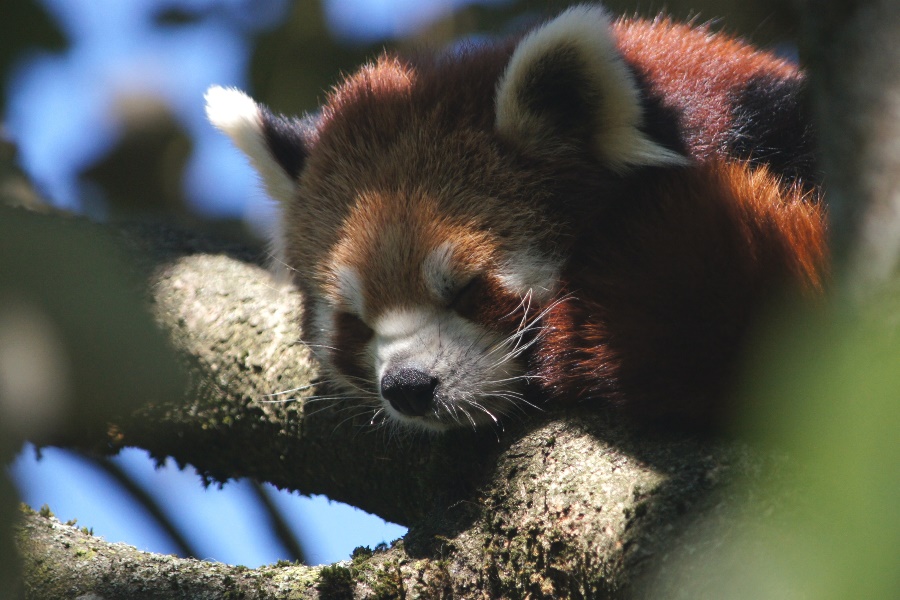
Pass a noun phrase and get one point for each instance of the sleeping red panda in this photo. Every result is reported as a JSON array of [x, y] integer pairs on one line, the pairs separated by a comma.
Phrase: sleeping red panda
[[591, 211]]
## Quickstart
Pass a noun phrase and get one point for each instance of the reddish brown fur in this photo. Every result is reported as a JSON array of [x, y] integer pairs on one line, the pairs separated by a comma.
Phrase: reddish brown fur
[[683, 64], [377, 125], [667, 270], [374, 165], [672, 285]]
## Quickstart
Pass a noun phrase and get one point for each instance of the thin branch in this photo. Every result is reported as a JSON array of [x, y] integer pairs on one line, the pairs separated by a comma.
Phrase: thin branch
[[279, 525], [146, 501]]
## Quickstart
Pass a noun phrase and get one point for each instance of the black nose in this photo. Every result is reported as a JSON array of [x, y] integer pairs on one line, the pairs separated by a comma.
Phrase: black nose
[[410, 391]]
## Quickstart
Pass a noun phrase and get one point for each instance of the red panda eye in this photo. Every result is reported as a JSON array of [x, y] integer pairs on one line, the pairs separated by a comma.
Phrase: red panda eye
[[352, 326], [465, 301]]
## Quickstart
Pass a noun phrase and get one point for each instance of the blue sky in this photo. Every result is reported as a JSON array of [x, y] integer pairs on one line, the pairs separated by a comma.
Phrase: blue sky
[[74, 489], [60, 112]]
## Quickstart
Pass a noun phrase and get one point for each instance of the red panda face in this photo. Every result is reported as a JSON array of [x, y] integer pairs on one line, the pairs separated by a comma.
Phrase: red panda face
[[536, 213], [447, 352], [425, 286]]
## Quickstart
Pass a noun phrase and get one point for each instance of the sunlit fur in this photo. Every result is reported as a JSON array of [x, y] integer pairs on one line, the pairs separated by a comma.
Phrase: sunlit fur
[[580, 38], [547, 219]]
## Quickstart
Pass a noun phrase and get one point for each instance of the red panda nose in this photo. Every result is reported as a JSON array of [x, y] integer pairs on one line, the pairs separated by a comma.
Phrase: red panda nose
[[410, 391]]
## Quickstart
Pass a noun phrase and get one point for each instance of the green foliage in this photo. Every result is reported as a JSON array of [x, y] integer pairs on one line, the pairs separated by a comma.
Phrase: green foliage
[[335, 583], [824, 392], [831, 398], [68, 290], [25, 27]]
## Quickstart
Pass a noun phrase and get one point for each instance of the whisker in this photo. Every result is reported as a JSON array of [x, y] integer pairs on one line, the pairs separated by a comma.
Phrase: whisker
[[291, 391], [335, 397], [365, 404], [468, 416], [350, 418], [280, 401], [483, 409], [274, 258], [517, 378], [313, 346], [380, 412]]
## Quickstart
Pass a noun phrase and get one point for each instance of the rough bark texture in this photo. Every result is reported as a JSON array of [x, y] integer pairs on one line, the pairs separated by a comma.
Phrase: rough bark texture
[[238, 330], [64, 562], [564, 505]]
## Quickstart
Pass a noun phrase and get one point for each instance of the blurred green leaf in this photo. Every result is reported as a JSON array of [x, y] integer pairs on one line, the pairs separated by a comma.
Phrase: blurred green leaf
[[25, 25], [68, 280]]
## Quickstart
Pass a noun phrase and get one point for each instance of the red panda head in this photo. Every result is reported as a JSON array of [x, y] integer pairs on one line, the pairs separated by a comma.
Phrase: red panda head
[[421, 224], [431, 209]]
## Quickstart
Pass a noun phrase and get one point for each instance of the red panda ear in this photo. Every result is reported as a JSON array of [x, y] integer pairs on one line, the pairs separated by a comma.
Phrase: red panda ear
[[276, 146], [566, 85]]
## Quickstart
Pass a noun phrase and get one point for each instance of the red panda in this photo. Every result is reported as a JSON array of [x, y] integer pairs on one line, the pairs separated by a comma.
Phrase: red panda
[[593, 211]]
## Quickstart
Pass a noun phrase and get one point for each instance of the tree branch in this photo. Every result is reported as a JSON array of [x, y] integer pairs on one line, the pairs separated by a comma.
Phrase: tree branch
[[561, 504], [62, 562], [237, 330], [852, 53]]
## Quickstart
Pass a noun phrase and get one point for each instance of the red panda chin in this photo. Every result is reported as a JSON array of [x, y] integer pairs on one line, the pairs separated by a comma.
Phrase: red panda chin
[[593, 211]]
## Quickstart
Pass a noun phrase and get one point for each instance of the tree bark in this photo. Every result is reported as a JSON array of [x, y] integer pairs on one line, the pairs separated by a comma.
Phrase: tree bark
[[852, 54], [64, 562], [561, 504]]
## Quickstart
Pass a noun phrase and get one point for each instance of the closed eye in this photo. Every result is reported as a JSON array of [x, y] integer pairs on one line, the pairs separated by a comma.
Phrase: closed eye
[[466, 299], [353, 326]]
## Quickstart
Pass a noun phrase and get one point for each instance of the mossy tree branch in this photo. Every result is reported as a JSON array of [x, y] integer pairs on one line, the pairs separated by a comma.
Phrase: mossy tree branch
[[568, 504], [61, 561]]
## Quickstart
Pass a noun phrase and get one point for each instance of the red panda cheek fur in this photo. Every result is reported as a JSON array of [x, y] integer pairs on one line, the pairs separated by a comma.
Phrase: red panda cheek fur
[[661, 309], [348, 352]]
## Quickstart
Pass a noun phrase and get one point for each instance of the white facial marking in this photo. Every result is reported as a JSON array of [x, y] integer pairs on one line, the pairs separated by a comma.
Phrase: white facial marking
[[471, 365], [350, 289], [404, 336], [527, 271], [401, 323], [437, 271]]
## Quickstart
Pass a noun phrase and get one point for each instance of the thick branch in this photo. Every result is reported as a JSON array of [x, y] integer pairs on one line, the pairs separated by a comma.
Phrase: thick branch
[[62, 562], [573, 508], [237, 329], [564, 504], [852, 52]]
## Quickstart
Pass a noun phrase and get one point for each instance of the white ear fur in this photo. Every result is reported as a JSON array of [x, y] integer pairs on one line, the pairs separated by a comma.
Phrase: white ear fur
[[236, 115], [582, 34]]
